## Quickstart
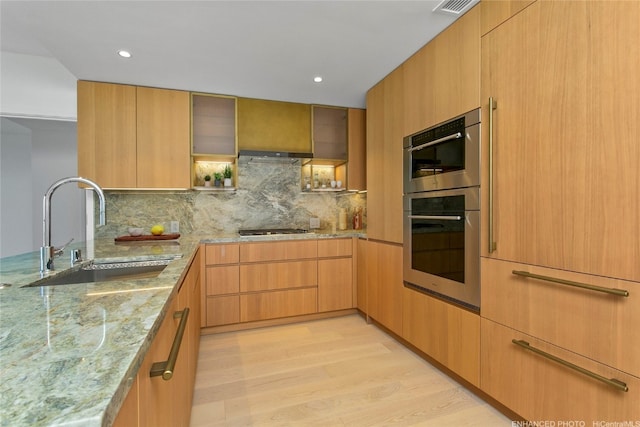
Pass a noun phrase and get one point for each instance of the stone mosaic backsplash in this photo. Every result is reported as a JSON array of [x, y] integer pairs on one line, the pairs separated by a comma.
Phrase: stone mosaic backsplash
[[268, 194]]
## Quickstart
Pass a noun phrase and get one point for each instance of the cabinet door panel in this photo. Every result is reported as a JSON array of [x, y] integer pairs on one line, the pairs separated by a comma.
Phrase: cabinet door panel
[[163, 148], [278, 251], [335, 284], [107, 134], [223, 279], [335, 248], [600, 326], [223, 310], [540, 389], [272, 305], [222, 254], [281, 275], [565, 170]]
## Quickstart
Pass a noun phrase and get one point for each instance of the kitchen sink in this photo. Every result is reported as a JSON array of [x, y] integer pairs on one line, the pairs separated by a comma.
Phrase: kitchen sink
[[90, 273]]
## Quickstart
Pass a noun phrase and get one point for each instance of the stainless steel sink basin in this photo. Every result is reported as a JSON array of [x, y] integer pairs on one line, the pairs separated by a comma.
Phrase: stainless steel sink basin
[[105, 272]]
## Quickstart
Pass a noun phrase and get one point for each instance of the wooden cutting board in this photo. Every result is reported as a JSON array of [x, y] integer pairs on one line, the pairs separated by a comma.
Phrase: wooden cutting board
[[147, 237]]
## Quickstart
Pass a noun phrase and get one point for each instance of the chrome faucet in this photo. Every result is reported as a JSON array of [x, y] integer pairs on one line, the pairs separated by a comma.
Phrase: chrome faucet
[[47, 251]]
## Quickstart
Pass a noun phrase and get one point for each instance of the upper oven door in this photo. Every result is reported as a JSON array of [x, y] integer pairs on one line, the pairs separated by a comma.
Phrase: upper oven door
[[444, 156]]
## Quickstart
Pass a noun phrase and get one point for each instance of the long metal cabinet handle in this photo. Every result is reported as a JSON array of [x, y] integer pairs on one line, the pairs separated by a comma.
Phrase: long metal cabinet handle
[[165, 368], [612, 291], [437, 141], [622, 386], [492, 106], [439, 217]]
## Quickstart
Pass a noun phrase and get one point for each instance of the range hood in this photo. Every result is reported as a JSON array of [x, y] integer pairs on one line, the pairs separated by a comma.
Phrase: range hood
[[273, 156]]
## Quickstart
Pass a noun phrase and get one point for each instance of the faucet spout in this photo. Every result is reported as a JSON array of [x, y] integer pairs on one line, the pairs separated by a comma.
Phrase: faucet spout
[[47, 252]]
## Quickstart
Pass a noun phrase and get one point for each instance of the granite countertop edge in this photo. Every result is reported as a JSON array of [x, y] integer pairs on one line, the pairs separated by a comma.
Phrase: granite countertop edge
[[36, 396]]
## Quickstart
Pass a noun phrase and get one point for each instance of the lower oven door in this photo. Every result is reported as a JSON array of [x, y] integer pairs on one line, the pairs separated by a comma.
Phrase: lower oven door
[[442, 244]]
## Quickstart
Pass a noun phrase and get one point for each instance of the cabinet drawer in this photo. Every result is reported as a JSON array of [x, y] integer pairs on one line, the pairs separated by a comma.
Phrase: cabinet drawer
[[271, 305], [335, 284], [541, 389], [222, 254], [223, 279], [279, 275], [278, 251], [335, 248], [223, 310], [601, 326]]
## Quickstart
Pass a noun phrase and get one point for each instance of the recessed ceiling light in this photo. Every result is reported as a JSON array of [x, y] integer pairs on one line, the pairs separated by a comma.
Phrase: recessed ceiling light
[[124, 53], [317, 79]]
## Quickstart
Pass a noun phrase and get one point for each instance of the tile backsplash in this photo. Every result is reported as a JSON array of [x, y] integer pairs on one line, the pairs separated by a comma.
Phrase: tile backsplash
[[267, 195]]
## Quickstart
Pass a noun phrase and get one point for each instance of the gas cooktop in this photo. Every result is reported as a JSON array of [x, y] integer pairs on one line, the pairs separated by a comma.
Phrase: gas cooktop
[[269, 231]]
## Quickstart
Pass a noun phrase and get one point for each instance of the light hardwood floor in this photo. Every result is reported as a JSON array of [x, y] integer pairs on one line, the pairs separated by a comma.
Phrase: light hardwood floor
[[332, 372]]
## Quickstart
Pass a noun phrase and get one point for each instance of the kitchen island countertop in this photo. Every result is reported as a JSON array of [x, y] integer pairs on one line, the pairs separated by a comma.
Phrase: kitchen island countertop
[[69, 353]]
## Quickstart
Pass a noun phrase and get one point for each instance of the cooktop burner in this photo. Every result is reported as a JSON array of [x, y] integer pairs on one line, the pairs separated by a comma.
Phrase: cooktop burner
[[268, 231]]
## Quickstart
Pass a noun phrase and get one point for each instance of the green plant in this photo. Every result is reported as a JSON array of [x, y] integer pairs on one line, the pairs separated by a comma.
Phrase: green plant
[[217, 176], [207, 177], [227, 171]]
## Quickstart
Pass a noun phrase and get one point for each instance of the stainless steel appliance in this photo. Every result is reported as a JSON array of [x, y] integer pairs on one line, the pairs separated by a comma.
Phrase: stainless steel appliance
[[442, 244], [444, 156]]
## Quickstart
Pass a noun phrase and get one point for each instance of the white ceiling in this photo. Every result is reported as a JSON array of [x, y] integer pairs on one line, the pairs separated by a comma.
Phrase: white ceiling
[[259, 49]]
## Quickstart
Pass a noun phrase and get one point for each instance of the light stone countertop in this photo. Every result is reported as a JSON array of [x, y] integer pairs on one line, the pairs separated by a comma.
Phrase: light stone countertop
[[68, 353]]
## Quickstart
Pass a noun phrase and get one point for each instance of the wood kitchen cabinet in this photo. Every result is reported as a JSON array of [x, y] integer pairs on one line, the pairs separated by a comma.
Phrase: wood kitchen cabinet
[[562, 170], [153, 401], [495, 12], [357, 141], [133, 137], [385, 131], [448, 334], [335, 274], [442, 79], [384, 284], [565, 149], [222, 285]]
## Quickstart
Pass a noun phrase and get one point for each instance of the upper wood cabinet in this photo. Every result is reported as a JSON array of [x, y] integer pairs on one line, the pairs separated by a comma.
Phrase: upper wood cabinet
[[329, 132], [357, 140], [213, 125], [133, 137], [442, 80], [107, 134], [274, 125], [495, 12], [385, 131], [565, 147]]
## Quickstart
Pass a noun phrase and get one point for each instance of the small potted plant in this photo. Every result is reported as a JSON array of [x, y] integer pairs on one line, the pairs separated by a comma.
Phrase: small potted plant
[[207, 180], [227, 176], [217, 179]]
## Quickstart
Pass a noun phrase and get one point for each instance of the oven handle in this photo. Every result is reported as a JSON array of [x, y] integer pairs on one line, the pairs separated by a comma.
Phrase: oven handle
[[437, 141], [440, 217]]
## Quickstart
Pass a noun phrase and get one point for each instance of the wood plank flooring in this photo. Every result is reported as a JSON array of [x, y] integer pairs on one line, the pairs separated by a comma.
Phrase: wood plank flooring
[[332, 372]]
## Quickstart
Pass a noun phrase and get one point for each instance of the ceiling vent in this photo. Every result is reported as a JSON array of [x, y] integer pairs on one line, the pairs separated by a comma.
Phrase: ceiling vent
[[454, 7]]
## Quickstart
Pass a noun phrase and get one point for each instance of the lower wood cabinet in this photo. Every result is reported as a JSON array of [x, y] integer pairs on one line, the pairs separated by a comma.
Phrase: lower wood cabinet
[[252, 281], [539, 388], [448, 334], [153, 401]]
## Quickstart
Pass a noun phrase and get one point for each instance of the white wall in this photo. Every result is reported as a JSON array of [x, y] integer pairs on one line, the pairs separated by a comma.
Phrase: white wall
[[35, 158], [16, 210], [36, 86]]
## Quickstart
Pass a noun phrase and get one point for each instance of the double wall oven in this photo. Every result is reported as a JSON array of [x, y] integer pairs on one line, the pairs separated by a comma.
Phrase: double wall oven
[[442, 210]]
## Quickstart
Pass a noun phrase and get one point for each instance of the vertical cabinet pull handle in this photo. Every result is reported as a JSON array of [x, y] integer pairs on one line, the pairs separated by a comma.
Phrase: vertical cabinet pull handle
[[166, 368], [612, 291], [492, 106], [617, 384]]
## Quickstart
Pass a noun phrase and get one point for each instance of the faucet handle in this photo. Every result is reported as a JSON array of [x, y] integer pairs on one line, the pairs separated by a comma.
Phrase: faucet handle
[[76, 256], [59, 251]]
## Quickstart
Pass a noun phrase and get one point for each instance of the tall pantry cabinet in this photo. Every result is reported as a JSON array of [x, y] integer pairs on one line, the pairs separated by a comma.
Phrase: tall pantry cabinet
[[561, 211]]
